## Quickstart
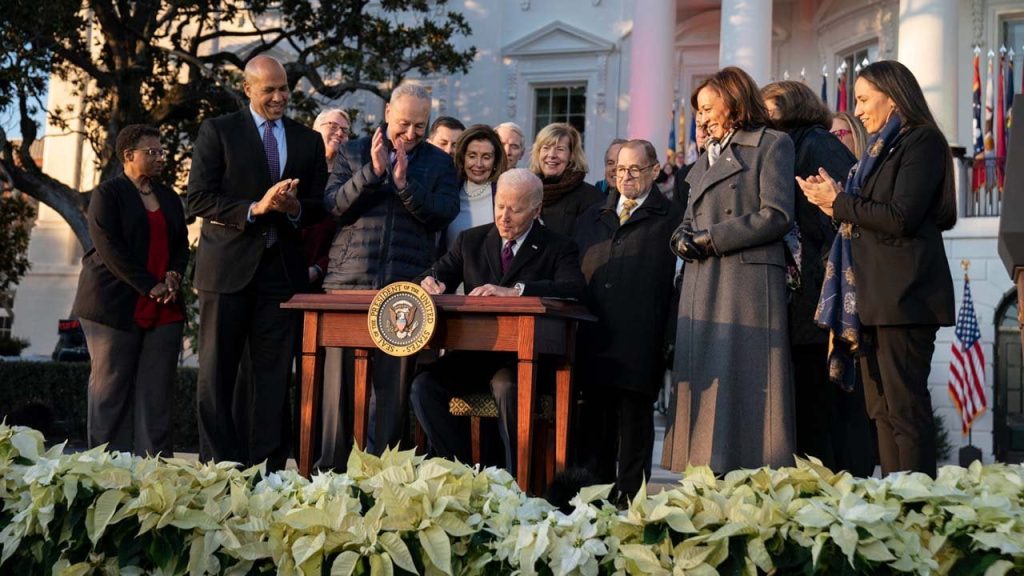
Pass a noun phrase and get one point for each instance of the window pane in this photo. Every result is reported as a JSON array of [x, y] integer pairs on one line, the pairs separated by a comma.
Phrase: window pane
[[543, 101]]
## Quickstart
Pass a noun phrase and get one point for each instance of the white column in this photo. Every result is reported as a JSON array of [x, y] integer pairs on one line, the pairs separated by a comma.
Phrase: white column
[[651, 72], [745, 37], [927, 45]]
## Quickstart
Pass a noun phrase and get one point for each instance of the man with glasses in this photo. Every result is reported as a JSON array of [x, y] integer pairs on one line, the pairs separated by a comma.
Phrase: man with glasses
[[624, 252], [256, 178]]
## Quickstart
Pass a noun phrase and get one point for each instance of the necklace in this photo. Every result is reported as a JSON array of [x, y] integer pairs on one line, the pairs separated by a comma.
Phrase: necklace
[[474, 191]]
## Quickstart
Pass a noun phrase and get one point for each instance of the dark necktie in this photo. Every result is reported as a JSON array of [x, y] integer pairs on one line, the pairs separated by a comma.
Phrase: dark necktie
[[270, 147], [274, 162], [506, 256]]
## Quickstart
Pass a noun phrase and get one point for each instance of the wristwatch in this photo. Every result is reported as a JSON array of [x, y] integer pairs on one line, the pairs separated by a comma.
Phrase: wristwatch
[[519, 287]]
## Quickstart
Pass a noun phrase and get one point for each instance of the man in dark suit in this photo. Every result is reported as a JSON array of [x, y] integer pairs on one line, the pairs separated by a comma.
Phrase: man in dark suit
[[515, 256], [624, 252], [256, 177]]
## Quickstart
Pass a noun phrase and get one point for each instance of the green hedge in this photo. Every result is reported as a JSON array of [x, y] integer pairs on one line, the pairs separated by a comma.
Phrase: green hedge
[[51, 397]]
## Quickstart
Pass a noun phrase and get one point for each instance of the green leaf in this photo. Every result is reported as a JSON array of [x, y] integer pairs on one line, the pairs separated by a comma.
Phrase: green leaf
[[654, 533]]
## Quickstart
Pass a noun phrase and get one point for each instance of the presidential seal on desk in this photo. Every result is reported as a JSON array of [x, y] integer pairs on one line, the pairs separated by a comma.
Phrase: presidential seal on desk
[[401, 319]]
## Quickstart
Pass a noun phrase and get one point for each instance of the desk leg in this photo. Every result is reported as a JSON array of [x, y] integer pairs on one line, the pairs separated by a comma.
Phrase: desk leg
[[563, 413], [362, 396], [312, 387], [527, 377]]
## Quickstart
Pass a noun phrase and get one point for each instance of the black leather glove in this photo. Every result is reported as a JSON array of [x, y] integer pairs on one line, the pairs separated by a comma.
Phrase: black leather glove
[[702, 238], [692, 245]]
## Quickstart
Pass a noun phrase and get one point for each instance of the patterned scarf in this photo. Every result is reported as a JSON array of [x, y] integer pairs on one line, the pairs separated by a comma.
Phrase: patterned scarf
[[837, 308]]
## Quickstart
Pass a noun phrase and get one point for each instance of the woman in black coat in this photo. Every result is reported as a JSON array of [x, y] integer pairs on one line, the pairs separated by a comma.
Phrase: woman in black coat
[[626, 260], [831, 424], [559, 161], [128, 300], [890, 262]]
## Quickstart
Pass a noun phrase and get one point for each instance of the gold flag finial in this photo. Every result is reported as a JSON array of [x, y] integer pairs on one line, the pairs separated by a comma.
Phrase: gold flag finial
[[965, 265]]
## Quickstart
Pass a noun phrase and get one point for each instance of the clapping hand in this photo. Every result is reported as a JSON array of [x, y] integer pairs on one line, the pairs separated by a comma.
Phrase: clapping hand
[[401, 166], [820, 190], [379, 153], [281, 197]]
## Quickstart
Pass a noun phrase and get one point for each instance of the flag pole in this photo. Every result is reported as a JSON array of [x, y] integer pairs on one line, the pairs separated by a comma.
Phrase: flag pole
[[969, 453]]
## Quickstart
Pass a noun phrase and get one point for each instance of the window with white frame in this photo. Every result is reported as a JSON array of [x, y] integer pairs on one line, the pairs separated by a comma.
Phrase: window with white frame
[[1011, 33], [565, 103], [853, 60]]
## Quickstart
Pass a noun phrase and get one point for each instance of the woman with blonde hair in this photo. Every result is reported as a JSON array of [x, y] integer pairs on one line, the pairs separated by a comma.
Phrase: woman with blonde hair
[[850, 132], [558, 159]]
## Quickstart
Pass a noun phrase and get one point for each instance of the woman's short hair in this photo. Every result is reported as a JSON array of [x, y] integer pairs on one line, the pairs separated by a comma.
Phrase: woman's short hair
[[476, 133], [322, 116], [798, 106], [741, 96], [551, 134], [129, 136]]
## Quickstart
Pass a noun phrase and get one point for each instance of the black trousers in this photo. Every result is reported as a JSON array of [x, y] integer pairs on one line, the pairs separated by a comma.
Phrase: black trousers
[[254, 429], [456, 374], [131, 387], [894, 369], [616, 436], [831, 424]]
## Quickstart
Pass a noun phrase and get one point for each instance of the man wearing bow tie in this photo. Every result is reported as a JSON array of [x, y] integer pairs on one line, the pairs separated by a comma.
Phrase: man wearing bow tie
[[515, 256]]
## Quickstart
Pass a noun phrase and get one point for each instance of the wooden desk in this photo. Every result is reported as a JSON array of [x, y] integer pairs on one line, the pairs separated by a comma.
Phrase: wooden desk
[[527, 326]]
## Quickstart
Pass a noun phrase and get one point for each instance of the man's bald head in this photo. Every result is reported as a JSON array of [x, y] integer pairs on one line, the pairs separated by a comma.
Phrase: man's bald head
[[266, 85]]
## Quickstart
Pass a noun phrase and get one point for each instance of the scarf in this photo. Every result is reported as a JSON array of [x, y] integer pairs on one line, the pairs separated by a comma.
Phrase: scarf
[[837, 308], [557, 187]]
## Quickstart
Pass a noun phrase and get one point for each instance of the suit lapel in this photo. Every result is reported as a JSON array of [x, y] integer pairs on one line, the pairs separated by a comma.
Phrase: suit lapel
[[532, 246], [291, 143], [607, 215], [254, 142], [727, 165], [492, 252]]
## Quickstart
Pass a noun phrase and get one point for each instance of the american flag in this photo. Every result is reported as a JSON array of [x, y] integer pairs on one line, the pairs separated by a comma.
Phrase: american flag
[[967, 369]]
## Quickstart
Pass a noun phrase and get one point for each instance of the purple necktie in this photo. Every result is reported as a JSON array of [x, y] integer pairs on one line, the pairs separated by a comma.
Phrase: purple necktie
[[506, 256], [270, 147], [274, 162]]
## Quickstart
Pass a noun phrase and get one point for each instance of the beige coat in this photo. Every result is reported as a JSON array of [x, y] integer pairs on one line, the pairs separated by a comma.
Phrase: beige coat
[[734, 391]]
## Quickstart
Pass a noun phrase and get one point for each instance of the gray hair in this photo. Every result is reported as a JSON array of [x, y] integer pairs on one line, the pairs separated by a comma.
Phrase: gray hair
[[524, 181], [322, 116], [511, 126], [409, 89]]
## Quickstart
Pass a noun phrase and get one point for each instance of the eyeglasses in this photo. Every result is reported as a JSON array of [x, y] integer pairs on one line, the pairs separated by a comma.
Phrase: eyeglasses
[[336, 126], [633, 171], [157, 152], [840, 132]]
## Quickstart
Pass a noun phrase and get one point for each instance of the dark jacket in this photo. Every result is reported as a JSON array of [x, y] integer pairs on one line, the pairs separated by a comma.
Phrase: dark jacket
[[899, 260], [114, 271], [629, 271], [229, 172], [547, 263], [815, 148], [560, 216], [385, 235]]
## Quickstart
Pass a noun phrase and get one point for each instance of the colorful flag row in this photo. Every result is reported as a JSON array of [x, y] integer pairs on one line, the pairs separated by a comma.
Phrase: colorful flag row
[[991, 130]]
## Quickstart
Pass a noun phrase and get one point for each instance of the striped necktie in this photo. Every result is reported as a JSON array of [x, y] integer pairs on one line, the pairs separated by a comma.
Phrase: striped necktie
[[627, 208]]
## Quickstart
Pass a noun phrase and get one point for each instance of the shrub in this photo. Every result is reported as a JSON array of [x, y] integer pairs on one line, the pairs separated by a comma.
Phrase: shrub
[[11, 346], [96, 512]]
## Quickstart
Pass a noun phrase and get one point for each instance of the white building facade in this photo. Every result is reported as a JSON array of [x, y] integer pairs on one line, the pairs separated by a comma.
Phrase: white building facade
[[620, 68]]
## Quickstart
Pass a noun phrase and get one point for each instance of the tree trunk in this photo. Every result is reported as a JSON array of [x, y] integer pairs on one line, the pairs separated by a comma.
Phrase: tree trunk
[[69, 203]]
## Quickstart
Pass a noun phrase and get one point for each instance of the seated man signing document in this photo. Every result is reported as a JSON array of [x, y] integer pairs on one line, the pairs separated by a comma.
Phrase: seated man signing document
[[514, 256]]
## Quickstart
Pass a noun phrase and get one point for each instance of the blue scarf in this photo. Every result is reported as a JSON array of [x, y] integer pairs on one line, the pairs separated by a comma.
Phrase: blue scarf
[[837, 308]]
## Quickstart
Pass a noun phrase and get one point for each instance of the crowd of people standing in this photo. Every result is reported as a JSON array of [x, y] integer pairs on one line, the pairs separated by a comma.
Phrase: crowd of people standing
[[792, 279]]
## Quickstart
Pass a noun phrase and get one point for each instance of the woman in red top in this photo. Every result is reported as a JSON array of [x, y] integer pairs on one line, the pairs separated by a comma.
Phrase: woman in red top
[[128, 300]]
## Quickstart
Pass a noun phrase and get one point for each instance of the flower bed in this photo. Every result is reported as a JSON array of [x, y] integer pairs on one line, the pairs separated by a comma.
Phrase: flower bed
[[104, 513]]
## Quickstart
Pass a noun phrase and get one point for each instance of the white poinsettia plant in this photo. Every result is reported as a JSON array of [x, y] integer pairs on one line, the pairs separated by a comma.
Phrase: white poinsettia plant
[[97, 512]]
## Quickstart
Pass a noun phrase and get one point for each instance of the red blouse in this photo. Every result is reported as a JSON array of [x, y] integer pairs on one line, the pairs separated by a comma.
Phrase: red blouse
[[148, 312]]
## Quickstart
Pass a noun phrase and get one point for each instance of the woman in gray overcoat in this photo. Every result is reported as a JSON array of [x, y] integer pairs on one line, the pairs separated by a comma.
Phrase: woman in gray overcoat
[[734, 395]]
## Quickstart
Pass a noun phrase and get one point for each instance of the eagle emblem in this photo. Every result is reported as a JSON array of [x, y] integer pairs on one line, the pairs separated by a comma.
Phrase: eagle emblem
[[403, 320]]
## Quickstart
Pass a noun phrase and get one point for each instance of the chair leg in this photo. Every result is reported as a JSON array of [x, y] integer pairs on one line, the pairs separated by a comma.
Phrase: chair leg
[[474, 424]]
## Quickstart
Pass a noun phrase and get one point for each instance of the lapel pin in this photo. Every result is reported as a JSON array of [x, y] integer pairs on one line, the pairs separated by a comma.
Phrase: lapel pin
[[534, 246]]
